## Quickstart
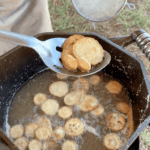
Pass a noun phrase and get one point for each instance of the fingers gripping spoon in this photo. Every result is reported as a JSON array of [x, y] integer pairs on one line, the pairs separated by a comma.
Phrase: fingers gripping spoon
[[47, 51]]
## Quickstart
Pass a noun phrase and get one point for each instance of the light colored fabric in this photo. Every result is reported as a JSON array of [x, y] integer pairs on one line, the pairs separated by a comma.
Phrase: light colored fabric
[[28, 17]]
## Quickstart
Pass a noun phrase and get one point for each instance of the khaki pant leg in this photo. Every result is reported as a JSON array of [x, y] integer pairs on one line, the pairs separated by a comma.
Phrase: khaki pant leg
[[28, 17]]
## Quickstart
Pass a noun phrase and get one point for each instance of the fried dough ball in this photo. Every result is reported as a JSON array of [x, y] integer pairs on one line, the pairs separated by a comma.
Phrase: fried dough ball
[[88, 103], [61, 76], [30, 130], [59, 88], [59, 133], [21, 143], [74, 127], [98, 111], [68, 61], [94, 80], [122, 107], [43, 133], [112, 141], [83, 64], [67, 56], [50, 145], [35, 145], [115, 121], [89, 49], [43, 121], [130, 128], [68, 44], [74, 97], [69, 145], [39, 98], [50, 107], [65, 112], [81, 83], [16, 131], [114, 87]]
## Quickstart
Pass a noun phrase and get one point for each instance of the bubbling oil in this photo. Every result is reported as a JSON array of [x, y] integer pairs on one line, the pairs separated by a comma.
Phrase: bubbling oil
[[23, 110]]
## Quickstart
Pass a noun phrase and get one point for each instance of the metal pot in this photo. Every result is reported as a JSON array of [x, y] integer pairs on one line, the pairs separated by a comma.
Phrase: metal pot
[[100, 10], [21, 64]]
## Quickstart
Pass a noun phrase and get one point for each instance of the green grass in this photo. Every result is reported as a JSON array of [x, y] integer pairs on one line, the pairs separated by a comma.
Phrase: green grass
[[138, 18], [146, 137], [65, 19]]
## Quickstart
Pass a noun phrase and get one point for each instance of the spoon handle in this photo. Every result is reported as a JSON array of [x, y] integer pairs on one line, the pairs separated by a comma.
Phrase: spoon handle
[[23, 40], [8, 141], [18, 39]]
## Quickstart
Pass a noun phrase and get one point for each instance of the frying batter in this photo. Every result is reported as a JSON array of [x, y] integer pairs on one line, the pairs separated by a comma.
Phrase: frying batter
[[65, 112], [61, 76], [21, 143], [43, 133], [75, 127], [35, 145], [114, 87], [69, 145], [94, 80], [59, 88], [59, 133], [50, 107], [74, 97], [39, 98], [16, 131], [30, 130], [81, 83]]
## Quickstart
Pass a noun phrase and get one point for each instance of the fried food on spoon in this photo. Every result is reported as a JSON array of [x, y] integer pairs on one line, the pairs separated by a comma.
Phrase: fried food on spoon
[[83, 64], [69, 62], [59, 88], [65, 112], [89, 49], [21, 143], [16, 131], [39, 98], [67, 57], [68, 44], [35, 145]]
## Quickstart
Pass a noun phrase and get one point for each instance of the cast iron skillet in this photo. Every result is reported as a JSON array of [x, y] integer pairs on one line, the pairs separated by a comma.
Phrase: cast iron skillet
[[21, 64]]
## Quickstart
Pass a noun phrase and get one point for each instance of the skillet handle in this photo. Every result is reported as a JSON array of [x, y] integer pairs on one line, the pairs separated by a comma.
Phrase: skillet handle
[[141, 38], [11, 145]]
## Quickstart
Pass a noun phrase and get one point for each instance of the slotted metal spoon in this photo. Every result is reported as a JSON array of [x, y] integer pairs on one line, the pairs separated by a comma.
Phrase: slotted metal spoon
[[48, 52]]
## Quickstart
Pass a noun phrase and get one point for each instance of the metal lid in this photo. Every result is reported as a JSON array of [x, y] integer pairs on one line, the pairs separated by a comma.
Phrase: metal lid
[[99, 10]]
